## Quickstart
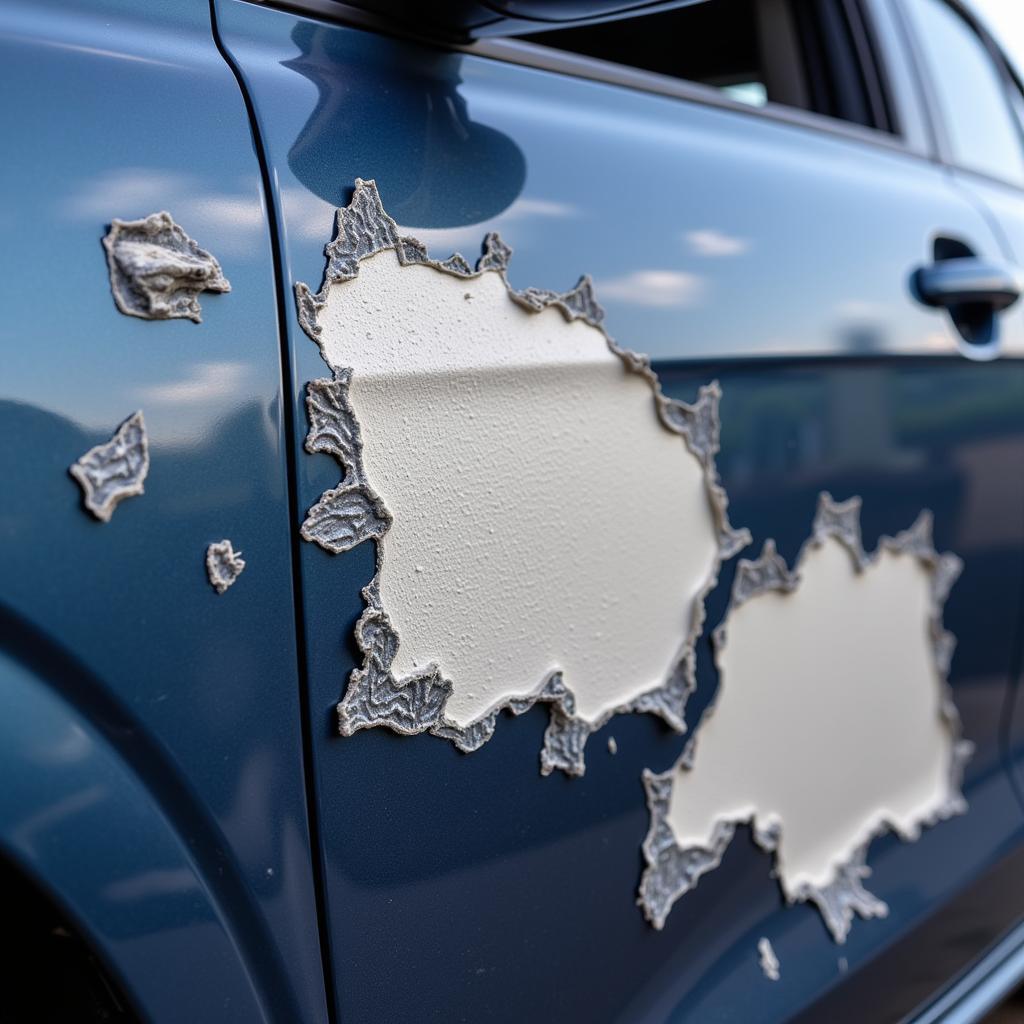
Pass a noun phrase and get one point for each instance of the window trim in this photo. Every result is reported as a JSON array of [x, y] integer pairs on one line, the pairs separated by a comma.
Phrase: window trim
[[925, 79], [510, 50], [877, 84]]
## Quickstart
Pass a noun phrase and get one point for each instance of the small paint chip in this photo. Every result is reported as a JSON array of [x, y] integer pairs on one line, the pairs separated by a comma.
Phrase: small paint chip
[[613, 747], [768, 960], [116, 470], [223, 565], [156, 271]]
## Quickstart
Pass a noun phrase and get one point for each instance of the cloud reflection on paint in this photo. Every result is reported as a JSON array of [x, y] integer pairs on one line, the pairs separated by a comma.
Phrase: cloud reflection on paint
[[205, 382], [312, 219], [657, 289], [711, 242], [235, 219], [468, 239], [306, 215]]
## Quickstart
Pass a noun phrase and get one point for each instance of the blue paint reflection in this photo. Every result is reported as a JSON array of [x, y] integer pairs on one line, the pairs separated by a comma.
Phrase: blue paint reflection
[[399, 106]]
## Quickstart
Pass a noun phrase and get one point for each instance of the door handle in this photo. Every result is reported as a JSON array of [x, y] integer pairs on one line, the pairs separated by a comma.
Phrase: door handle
[[968, 281]]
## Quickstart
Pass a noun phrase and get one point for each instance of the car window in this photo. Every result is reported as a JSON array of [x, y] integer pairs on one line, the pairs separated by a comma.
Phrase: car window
[[969, 88], [807, 54]]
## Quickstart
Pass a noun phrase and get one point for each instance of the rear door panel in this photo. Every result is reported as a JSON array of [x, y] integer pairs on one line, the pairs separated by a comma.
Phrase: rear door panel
[[772, 257]]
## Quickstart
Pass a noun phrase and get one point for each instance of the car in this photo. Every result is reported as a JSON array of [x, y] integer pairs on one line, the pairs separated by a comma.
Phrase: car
[[368, 613]]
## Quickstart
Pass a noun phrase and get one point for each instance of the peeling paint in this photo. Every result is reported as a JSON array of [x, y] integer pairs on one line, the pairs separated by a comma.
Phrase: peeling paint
[[156, 271], [223, 565], [484, 434], [833, 723], [613, 747], [115, 470], [767, 959]]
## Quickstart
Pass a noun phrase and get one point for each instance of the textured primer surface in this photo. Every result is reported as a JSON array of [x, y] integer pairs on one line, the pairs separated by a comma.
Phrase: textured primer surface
[[156, 271], [223, 565], [116, 470], [767, 959], [833, 723], [504, 453]]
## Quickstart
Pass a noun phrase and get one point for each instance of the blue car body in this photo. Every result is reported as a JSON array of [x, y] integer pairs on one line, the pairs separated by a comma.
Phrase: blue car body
[[173, 777]]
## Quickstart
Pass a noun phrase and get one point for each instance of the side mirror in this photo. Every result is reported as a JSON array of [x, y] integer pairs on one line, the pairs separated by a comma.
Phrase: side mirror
[[473, 19]]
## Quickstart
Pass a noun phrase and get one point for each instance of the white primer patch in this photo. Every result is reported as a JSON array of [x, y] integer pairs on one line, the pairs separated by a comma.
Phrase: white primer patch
[[518, 456], [547, 522], [833, 722]]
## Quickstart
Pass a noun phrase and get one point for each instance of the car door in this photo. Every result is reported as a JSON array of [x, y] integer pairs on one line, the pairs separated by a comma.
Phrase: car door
[[762, 229], [981, 142]]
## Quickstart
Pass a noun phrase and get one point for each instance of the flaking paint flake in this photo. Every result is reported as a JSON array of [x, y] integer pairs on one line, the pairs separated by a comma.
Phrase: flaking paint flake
[[767, 960], [518, 471], [114, 470], [223, 565], [156, 271], [833, 723]]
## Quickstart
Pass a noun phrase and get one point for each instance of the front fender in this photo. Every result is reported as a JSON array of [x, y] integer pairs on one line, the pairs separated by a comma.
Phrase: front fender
[[76, 817]]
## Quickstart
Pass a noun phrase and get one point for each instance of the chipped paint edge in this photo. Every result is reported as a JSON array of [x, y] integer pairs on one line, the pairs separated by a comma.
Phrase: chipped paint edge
[[845, 894], [225, 550], [104, 510], [220, 284], [415, 703], [767, 959]]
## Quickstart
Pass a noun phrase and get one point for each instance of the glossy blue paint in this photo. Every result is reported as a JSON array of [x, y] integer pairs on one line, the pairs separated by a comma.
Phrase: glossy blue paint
[[77, 815], [112, 111], [151, 731], [984, 987], [470, 888], [1006, 205], [1003, 202]]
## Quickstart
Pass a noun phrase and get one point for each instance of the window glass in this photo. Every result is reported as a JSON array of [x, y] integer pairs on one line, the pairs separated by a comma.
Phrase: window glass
[[715, 43], [798, 53], [979, 122]]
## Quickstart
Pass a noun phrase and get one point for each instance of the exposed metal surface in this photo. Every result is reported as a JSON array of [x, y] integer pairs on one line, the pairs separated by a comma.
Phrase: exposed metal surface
[[672, 870], [223, 565], [845, 895], [352, 513], [156, 271], [115, 470], [767, 960], [835, 883], [344, 517]]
